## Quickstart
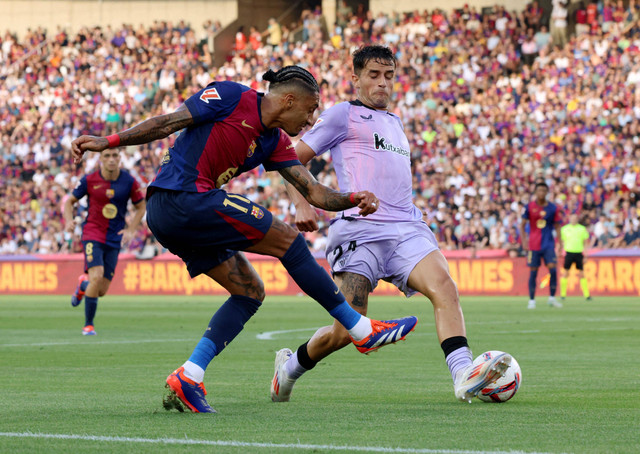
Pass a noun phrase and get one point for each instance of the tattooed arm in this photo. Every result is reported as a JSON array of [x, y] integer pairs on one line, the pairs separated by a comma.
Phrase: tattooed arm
[[324, 197], [149, 130]]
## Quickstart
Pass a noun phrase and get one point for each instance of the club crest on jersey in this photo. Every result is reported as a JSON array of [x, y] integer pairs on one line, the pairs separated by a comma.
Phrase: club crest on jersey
[[257, 212], [165, 158], [110, 193], [109, 211], [252, 148], [209, 93]]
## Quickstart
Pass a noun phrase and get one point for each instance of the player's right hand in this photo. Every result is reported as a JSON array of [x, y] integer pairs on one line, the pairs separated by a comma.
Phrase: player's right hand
[[87, 143], [306, 218], [367, 202]]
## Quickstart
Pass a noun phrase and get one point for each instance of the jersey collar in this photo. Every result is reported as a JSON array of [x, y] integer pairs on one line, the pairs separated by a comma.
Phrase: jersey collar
[[359, 103]]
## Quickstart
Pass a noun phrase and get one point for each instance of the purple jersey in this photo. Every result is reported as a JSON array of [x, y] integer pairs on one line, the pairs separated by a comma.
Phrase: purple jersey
[[107, 205], [227, 138], [370, 152]]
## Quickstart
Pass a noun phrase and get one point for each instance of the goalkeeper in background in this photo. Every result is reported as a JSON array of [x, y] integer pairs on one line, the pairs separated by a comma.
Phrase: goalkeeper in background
[[574, 236]]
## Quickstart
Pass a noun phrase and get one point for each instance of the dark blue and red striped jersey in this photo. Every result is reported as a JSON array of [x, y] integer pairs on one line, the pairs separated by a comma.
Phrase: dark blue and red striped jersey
[[227, 138], [542, 222], [107, 205]]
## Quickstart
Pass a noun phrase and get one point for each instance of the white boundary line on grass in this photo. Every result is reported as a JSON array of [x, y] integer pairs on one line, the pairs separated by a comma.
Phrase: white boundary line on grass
[[268, 335], [243, 444]]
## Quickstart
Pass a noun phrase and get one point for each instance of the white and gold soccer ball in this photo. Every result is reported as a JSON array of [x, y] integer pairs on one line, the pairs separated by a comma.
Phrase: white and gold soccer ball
[[506, 386]]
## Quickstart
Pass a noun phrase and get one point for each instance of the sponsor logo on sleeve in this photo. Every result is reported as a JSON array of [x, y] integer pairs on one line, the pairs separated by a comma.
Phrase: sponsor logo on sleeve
[[210, 93]]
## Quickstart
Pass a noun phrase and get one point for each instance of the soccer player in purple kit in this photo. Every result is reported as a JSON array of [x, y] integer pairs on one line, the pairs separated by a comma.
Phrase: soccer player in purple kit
[[108, 190], [543, 218], [228, 128], [369, 149]]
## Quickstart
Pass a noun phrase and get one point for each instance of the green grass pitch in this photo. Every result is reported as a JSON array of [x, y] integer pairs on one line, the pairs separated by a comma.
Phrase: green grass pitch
[[63, 392]]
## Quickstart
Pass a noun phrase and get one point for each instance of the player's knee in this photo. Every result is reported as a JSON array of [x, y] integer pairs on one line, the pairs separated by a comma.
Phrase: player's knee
[[259, 293], [443, 289], [253, 288]]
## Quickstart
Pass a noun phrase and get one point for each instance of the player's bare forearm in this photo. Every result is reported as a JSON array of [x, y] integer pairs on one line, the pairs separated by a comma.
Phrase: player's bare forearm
[[156, 128], [137, 217], [295, 196], [326, 198], [315, 193], [149, 130], [68, 211]]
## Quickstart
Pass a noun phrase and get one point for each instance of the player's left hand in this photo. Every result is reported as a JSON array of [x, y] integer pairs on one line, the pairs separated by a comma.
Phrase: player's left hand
[[367, 202]]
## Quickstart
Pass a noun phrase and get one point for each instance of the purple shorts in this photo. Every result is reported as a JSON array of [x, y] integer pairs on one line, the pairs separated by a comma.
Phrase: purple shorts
[[378, 250]]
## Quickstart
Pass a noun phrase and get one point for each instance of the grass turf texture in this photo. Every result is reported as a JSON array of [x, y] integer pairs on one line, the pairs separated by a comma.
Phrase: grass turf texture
[[580, 389]]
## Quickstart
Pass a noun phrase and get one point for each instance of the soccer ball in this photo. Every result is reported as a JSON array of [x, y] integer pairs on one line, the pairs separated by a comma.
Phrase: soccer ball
[[506, 386]]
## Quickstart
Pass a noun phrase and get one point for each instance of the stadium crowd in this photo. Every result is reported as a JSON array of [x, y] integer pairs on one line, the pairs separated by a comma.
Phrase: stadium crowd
[[492, 101]]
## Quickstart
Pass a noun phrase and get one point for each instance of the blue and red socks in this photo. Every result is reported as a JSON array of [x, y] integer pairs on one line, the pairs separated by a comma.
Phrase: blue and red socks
[[90, 308], [533, 274], [224, 326]]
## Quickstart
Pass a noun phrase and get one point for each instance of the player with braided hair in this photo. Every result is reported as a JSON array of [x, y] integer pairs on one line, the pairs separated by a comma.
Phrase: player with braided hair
[[227, 129]]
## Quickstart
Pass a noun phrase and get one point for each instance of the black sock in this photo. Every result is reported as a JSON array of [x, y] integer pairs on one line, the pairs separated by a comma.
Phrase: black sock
[[303, 357], [453, 343]]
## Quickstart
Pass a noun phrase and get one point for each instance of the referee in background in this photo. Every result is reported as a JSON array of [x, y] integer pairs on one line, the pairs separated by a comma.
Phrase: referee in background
[[574, 236]]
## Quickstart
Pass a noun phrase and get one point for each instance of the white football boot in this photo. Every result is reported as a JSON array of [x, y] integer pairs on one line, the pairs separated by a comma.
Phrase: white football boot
[[553, 302], [470, 381], [532, 304], [281, 385]]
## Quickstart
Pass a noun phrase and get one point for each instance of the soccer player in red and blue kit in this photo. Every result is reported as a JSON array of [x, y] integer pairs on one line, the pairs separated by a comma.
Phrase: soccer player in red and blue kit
[[229, 129], [543, 217], [108, 190]]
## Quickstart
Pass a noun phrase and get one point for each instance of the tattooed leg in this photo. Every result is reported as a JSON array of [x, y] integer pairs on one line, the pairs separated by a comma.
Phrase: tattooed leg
[[328, 339]]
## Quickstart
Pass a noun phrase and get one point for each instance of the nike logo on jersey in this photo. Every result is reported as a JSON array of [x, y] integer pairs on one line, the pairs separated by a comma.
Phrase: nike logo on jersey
[[289, 146], [366, 118], [97, 186], [244, 123]]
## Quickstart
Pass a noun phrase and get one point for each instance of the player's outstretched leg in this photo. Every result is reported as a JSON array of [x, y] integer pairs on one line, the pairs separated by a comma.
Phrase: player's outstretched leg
[[473, 379], [184, 392], [385, 332], [367, 335], [76, 298], [282, 383]]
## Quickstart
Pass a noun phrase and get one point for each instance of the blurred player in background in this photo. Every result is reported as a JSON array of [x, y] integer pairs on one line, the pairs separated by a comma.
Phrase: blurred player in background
[[229, 129], [370, 150], [574, 236], [108, 190], [542, 217]]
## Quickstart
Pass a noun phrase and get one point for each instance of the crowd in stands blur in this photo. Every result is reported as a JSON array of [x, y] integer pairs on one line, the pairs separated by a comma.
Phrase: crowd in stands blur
[[492, 101]]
